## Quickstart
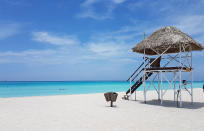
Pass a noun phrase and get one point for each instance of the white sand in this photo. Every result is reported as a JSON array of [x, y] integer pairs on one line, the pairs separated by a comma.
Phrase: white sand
[[90, 112]]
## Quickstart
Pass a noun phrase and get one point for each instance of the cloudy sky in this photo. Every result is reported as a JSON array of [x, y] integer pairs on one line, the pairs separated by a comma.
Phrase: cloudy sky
[[87, 39]]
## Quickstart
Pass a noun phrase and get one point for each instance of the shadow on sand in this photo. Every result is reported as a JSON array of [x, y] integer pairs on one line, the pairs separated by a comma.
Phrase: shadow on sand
[[114, 106], [170, 103]]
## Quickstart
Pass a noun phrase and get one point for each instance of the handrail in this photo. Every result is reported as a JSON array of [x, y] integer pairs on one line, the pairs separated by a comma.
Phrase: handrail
[[139, 72], [132, 89], [137, 69]]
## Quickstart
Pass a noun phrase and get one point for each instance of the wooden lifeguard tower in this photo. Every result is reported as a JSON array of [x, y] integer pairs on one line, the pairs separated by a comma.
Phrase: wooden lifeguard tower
[[167, 55]]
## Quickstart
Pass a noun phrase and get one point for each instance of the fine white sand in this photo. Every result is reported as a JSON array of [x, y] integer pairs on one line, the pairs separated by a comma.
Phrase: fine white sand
[[90, 112]]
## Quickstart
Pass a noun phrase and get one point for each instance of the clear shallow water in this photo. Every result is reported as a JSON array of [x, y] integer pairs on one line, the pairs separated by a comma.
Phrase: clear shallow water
[[21, 89]]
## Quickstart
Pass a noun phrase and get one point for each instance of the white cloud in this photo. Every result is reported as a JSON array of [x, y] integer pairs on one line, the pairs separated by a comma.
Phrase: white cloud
[[72, 55], [89, 9], [89, 13], [27, 52], [114, 45], [87, 3], [192, 24], [111, 47], [105, 49], [53, 39], [118, 1], [27, 56], [8, 30]]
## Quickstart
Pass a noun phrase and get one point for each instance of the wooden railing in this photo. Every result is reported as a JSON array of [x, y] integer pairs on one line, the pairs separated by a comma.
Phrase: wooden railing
[[137, 69]]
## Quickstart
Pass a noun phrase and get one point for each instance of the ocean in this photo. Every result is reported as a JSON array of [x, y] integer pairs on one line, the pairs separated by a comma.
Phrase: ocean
[[45, 88]]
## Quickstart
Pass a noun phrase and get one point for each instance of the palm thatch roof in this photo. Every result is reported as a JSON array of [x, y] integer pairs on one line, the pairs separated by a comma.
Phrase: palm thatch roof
[[163, 38]]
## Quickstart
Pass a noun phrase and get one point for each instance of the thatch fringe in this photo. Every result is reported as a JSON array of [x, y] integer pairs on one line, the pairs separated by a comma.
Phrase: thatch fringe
[[165, 37]]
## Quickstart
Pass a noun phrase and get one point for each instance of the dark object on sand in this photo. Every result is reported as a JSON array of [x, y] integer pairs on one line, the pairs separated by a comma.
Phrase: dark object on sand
[[111, 96], [203, 87], [125, 97], [184, 82]]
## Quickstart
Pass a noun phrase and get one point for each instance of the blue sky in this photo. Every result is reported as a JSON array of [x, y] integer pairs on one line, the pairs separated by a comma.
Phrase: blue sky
[[87, 39]]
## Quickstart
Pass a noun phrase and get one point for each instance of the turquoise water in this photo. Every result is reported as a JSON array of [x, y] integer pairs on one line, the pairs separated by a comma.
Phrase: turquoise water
[[21, 89]]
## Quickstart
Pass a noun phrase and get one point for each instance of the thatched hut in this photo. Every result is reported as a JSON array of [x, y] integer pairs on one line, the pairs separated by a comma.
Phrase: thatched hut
[[165, 37], [172, 56]]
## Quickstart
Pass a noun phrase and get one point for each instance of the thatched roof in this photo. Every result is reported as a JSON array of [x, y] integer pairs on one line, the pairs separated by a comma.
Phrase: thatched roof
[[163, 38]]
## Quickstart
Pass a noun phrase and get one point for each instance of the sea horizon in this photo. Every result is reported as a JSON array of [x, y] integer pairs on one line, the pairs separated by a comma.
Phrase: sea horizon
[[78, 81]]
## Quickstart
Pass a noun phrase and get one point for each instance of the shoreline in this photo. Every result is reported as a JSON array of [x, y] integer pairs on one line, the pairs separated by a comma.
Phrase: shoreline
[[120, 92], [54, 95]]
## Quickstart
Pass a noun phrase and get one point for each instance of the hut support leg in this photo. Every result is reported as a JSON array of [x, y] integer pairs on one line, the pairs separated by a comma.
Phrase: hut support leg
[[144, 88], [161, 87], [191, 79], [144, 80], [174, 87], [158, 87], [130, 87], [180, 84], [191, 89]]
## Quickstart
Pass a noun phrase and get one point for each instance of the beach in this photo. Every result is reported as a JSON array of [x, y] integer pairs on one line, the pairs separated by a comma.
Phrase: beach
[[90, 112]]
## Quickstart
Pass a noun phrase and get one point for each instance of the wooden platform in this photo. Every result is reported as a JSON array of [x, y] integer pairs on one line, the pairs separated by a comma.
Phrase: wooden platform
[[168, 69]]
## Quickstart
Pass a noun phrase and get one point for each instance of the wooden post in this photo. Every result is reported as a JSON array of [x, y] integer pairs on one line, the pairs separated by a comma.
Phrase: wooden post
[[161, 87], [158, 86], [111, 104]]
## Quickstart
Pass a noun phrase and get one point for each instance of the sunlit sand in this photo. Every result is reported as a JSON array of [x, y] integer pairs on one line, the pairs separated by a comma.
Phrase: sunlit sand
[[91, 112]]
